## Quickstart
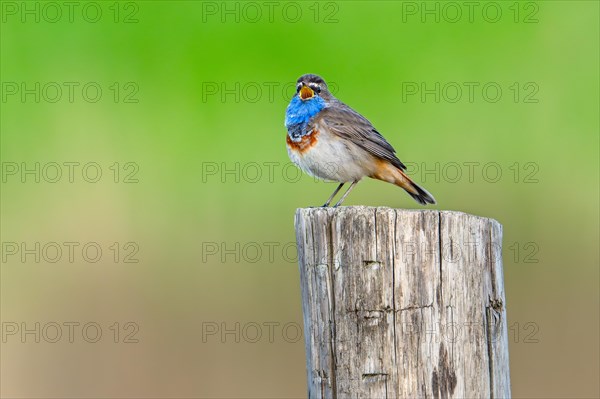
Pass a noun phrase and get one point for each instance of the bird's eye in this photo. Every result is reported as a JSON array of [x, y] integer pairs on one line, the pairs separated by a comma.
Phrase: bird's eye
[[316, 88], [298, 87]]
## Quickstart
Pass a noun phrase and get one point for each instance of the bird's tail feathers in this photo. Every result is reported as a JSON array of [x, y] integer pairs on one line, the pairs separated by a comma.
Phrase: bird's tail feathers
[[391, 174], [420, 195]]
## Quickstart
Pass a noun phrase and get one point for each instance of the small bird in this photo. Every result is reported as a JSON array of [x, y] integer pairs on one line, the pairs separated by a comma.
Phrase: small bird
[[329, 140]]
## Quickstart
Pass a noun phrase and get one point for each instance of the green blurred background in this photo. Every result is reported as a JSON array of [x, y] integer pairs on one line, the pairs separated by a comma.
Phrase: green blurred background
[[212, 81]]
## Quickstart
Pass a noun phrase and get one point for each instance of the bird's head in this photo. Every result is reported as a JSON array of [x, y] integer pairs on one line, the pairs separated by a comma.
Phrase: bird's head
[[311, 86]]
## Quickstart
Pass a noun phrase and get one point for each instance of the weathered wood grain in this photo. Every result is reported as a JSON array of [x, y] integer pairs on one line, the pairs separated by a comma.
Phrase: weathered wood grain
[[402, 304]]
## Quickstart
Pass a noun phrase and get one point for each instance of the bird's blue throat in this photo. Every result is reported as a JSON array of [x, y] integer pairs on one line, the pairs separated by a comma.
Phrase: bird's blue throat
[[298, 114]]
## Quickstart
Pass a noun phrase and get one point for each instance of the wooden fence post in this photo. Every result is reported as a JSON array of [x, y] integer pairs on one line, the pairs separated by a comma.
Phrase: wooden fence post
[[402, 303]]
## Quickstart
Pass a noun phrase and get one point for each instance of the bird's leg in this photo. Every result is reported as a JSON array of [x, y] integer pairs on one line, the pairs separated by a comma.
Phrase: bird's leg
[[346, 193], [333, 195]]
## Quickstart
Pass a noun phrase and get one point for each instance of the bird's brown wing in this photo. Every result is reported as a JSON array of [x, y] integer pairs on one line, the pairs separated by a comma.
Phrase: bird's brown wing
[[346, 123]]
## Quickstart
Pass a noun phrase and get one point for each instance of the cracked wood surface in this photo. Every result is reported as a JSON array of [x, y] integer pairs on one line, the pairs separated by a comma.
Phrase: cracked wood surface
[[402, 303]]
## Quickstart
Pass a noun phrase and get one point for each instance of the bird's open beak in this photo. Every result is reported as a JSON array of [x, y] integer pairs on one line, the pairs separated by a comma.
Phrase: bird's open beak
[[306, 93]]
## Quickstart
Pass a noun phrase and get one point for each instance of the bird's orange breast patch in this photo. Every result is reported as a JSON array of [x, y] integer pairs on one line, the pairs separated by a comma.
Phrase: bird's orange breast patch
[[307, 142]]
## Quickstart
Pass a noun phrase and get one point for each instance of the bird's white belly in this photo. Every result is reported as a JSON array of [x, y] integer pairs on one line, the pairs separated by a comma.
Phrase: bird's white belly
[[332, 158]]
